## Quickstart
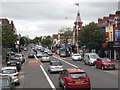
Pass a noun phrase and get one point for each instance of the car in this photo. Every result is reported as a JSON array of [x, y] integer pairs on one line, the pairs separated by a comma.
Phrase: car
[[74, 78], [49, 53], [39, 54], [25, 48], [20, 56], [76, 56], [55, 66], [89, 58], [12, 72], [6, 83], [31, 55], [45, 57], [104, 63], [14, 62], [57, 52]]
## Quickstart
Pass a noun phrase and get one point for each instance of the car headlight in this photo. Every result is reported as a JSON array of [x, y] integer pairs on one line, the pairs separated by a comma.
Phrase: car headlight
[[8, 62]]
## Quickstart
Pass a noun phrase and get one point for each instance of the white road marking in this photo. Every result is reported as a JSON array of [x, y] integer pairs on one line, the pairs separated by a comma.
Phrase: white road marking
[[47, 77], [67, 62], [35, 57]]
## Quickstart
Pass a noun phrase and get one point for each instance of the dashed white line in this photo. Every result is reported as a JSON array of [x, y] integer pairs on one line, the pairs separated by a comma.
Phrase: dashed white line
[[67, 62], [47, 77]]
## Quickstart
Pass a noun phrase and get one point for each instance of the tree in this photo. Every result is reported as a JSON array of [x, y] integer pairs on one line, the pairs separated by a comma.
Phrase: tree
[[91, 36], [46, 41], [8, 36], [65, 33], [24, 40]]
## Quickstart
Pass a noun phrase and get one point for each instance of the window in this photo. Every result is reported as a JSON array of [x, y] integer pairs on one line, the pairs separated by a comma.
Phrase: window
[[78, 75]]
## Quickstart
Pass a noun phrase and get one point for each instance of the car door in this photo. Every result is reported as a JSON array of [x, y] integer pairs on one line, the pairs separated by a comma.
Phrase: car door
[[63, 75], [98, 62]]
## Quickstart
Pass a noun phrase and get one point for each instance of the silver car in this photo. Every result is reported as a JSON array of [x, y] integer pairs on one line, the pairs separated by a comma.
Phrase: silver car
[[55, 66], [45, 57]]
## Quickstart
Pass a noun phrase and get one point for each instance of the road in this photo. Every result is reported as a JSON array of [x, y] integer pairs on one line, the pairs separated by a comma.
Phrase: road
[[35, 74]]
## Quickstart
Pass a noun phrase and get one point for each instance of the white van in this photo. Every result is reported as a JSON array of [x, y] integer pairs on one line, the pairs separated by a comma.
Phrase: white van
[[89, 58]]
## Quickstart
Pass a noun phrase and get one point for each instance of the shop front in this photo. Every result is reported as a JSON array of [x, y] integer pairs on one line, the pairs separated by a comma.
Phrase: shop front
[[114, 50]]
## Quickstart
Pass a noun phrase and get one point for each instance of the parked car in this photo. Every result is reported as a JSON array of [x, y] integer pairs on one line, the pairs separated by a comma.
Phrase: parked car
[[14, 62], [55, 66], [57, 52], [45, 57], [104, 63], [6, 83], [76, 56], [12, 72], [74, 78], [89, 58], [20, 56]]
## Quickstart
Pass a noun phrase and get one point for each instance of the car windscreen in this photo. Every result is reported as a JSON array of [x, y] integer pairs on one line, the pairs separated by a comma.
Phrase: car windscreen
[[17, 55], [78, 75], [14, 60], [56, 64], [8, 71], [76, 54], [94, 56], [4, 82], [106, 60]]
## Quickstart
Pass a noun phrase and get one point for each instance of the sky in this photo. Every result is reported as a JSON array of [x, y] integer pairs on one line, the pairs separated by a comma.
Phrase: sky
[[46, 17]]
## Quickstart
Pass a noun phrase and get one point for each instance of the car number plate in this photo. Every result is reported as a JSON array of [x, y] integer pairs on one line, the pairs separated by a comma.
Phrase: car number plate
[[79, 81], [13, 64]]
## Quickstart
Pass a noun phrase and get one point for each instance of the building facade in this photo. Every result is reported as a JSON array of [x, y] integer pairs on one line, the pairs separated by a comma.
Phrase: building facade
[[110, 25], [76, 29]]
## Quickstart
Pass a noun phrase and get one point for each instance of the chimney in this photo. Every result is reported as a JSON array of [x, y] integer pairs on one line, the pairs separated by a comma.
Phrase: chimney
[[100, 20], [111, 16]]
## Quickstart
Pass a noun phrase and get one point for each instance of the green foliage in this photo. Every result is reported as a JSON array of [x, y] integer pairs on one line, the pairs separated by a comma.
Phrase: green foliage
[[24, 40], [91, 36], [8, 36], [46, 41], [65, 33]]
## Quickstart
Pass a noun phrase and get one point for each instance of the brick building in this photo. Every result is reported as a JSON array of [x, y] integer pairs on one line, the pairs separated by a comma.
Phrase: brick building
[[110, 25]]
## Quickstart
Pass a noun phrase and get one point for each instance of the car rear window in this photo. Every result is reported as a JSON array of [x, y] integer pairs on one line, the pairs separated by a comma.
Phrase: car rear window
[[78, 75], [56, 63], [106, 60], [8, 71], [94, 56]]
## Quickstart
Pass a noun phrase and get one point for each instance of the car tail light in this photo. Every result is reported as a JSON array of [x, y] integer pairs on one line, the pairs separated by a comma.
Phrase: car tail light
[[87, 80], [69, 80], [16, 74]]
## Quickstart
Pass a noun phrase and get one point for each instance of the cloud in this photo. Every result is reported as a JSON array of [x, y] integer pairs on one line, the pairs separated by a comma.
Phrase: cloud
[[39, 18]]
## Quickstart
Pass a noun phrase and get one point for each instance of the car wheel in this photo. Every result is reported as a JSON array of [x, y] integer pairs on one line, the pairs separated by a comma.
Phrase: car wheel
[[96, 66], [85, 63], [102, 68], [60, 84], [65, 88]]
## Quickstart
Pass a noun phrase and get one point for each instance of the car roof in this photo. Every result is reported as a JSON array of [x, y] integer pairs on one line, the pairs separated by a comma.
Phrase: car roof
[[10, 67], [90, 53], [103, 58], [75, 70]]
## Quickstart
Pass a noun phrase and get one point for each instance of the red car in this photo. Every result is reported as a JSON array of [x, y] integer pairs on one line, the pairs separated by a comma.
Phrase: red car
[[104, 63], [74, 78]]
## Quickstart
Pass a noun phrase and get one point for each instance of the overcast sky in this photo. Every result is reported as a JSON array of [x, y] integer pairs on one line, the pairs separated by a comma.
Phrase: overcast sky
[[46, 17]]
